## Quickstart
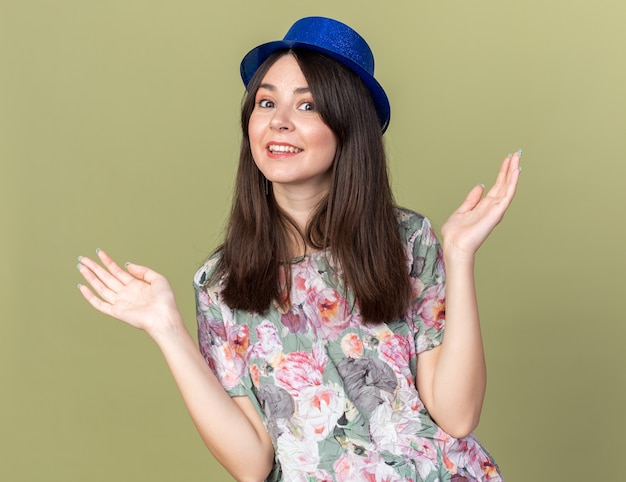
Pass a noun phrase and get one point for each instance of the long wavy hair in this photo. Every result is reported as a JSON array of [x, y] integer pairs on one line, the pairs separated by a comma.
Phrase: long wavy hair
[[355, 221]]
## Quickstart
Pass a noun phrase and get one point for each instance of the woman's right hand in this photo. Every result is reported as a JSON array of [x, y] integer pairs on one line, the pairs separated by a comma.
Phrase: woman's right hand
[[138, 296]]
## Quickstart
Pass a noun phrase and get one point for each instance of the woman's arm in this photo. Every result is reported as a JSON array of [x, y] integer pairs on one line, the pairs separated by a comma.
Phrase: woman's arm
[[230, 427], [452, 377]]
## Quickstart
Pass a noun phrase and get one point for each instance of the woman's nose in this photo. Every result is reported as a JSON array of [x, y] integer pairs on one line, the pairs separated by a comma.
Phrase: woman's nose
[[281, 120]]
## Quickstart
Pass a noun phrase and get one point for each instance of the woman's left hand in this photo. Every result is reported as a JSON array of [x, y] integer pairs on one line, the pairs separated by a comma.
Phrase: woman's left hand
[[470, 225], [137, 296]]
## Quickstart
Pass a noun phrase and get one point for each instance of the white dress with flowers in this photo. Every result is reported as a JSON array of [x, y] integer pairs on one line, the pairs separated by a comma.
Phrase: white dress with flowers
[[337, 395]]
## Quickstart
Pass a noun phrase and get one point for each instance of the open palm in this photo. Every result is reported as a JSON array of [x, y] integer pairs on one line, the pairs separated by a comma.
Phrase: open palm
[[138, 296], [470, 225]]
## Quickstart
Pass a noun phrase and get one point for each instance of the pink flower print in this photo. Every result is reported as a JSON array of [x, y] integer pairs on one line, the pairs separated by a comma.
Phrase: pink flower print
[[225, 350], [269, 343], [327, 302], [395, 351], [417, 286], [227, 365], [425, 448], [466, 458], [320, 475], [255, 375], [305, 280], [294, 320], [490, 470], [349, 468], [352, 345], [210, 331], [432, 308], [317, 409], [443, 439], [345, 468], [240, 340], [426, 453], [382, 333], [327, 313], [301, 282], [356, 468], [203, 298], [298, 370]]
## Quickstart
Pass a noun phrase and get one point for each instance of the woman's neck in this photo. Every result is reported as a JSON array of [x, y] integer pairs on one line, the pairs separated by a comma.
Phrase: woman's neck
[[298, 204]]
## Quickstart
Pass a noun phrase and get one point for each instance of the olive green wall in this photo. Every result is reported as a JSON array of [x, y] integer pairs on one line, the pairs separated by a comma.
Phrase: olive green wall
[[118, 129]]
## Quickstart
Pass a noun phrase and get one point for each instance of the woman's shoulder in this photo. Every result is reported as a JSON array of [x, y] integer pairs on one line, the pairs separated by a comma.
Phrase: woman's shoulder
[[411, 221], [206, 271], [415, 229]]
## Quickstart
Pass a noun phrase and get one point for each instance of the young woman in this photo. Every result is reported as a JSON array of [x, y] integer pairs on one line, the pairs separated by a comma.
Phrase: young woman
[[321, 317]]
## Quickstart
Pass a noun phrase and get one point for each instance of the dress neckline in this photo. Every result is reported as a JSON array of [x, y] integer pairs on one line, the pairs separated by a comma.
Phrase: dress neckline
[[312, 254]]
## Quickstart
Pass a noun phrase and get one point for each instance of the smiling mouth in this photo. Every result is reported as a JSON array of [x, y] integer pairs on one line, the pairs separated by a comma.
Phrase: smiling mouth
[[276, 149]]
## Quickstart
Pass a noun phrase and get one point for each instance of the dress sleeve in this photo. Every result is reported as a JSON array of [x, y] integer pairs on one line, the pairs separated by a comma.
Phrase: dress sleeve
[[425, 257], [223, 342]]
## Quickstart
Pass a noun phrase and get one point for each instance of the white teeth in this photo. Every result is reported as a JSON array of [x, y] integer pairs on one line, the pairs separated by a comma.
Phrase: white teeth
[[291, 149]]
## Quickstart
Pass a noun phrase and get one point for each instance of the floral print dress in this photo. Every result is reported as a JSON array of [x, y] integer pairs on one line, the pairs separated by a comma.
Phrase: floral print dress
[[338, 396]]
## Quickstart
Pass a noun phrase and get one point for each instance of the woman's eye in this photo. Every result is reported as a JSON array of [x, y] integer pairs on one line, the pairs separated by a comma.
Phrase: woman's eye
[[266, 104], [307, 106]]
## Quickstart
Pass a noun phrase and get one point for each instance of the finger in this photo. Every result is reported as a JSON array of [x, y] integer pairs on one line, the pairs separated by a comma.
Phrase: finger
[[114, 268], [509, 184], [472, 199], [513, 174], [502, 194], [106, 277], [501, 180], [98, 286], [94, 301], [142, 272], [504, 187]]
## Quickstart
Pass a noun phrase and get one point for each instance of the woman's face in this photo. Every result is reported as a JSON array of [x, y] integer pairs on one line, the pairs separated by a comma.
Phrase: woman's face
[[290, 143]]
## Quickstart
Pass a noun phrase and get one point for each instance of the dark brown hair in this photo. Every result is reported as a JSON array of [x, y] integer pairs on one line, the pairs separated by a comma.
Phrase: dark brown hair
[[356, 220]]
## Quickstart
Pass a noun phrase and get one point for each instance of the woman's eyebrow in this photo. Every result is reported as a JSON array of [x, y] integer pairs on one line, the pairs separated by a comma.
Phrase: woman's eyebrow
[[272, 88]]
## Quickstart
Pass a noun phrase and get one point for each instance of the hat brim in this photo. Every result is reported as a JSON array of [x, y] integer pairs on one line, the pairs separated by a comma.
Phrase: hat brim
[[253, 60]]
